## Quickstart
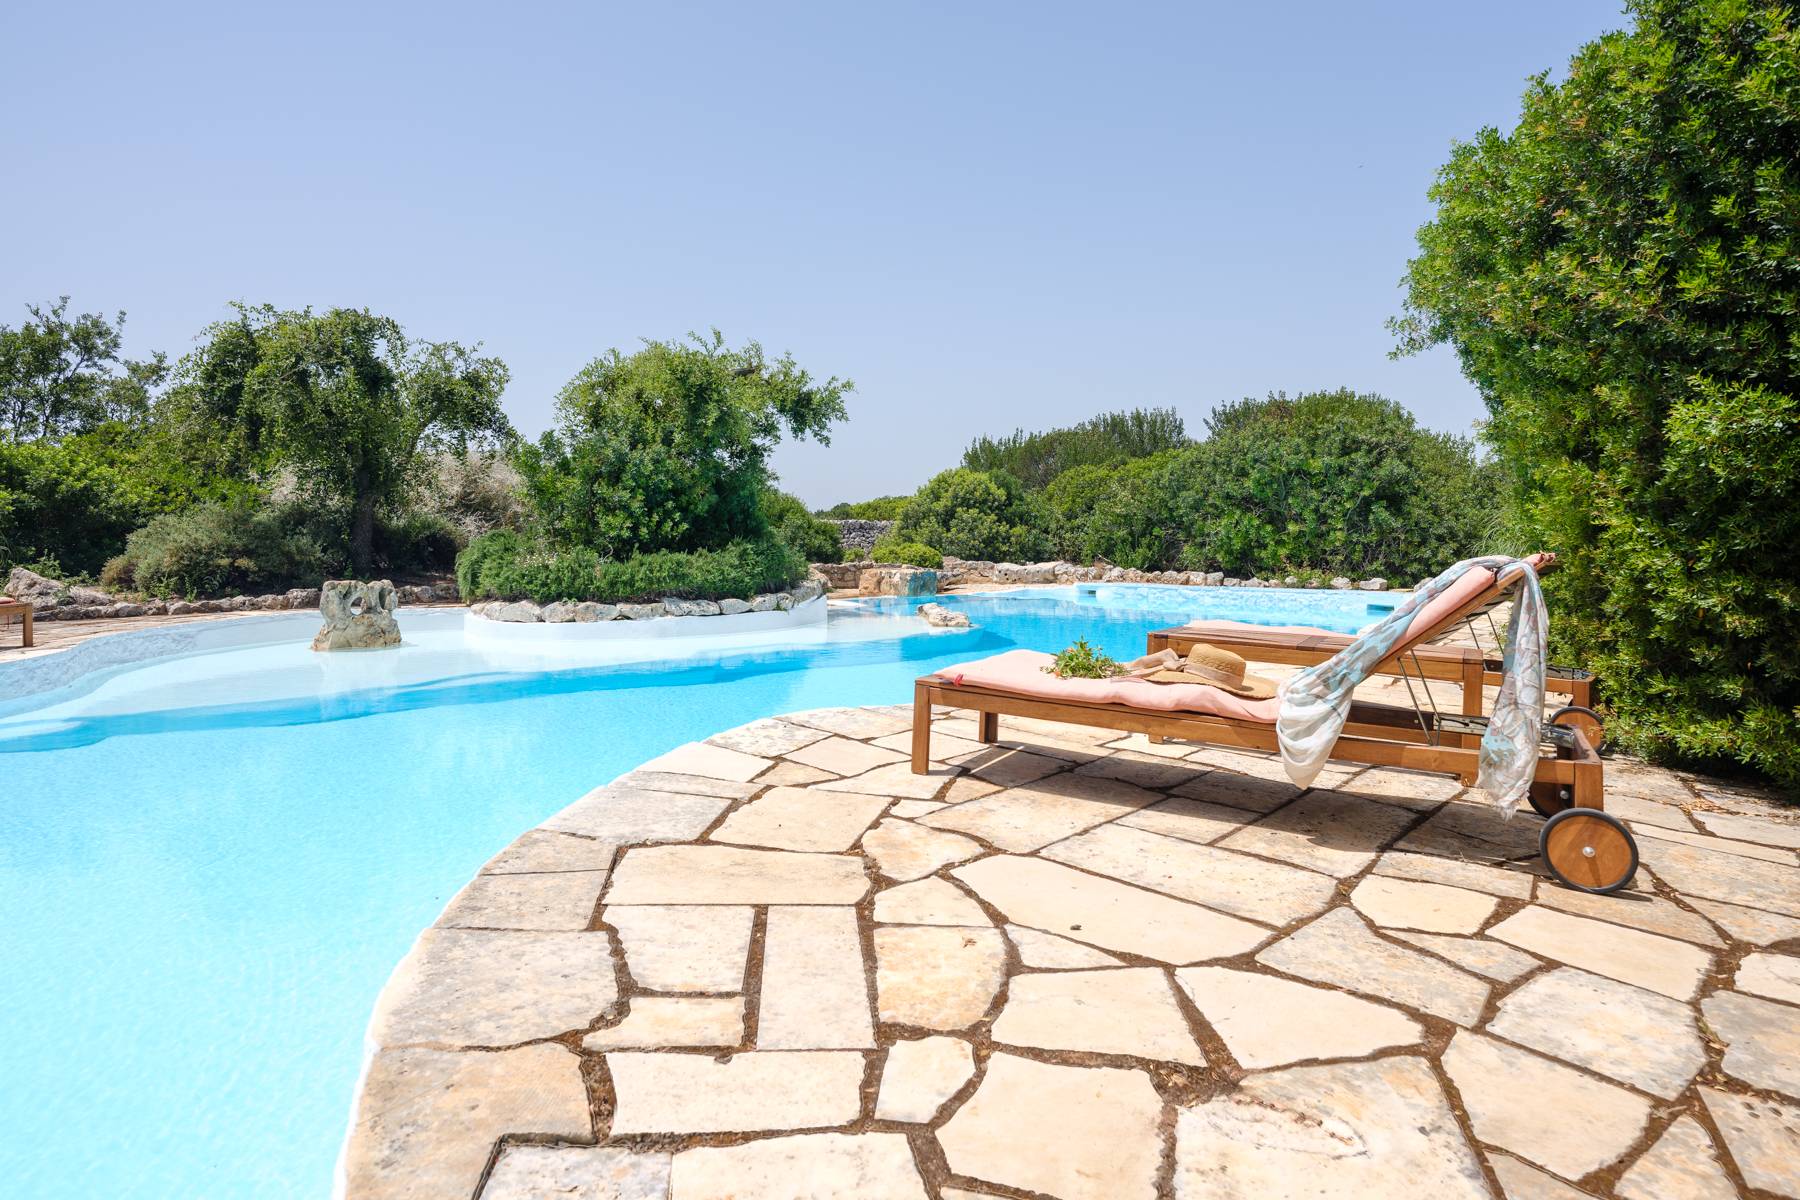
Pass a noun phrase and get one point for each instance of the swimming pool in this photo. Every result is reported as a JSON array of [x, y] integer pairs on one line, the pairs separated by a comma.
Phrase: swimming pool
[[210, 864]]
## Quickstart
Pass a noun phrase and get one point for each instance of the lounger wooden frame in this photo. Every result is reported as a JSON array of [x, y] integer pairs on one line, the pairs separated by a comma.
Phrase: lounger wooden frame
[[1466, 666], [1379, 735]]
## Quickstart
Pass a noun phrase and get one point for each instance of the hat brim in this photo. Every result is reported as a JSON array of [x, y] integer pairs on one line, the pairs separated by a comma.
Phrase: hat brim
[[1254, 687]]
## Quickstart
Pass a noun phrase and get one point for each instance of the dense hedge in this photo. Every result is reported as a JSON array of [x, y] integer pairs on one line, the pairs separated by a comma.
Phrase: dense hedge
[[1618, 276], [510, 566]]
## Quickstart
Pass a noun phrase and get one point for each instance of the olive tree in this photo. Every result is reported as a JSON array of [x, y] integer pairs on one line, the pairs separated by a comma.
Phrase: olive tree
[[343, 399]]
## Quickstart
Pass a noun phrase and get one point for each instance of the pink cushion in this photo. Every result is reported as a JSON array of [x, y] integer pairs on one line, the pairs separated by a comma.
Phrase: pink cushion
[[1022, 672]]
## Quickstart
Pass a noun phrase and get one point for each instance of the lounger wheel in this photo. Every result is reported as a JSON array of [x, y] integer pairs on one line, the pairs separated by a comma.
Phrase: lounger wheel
[[1589, 850], [1586, 720], [1550, 798]]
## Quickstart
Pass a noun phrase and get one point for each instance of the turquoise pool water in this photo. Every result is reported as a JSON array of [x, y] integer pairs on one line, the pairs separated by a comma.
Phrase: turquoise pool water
[[209, 866]]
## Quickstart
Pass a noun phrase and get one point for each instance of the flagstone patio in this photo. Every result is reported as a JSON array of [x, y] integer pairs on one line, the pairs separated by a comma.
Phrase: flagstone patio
[[776, 965]]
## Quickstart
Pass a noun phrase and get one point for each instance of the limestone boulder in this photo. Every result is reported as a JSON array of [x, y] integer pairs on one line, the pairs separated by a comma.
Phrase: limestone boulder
[[589, 611], [897, 581], [560, 612], [943, 618], [517, 612], [358, 615]]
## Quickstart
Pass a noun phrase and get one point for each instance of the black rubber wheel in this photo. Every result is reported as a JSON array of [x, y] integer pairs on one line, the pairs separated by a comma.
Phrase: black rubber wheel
[[1589, 850], [1584, 719]]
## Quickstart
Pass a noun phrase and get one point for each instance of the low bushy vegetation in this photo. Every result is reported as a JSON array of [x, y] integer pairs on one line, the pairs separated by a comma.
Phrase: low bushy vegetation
[[513, 566], [1035, 459], [975, 514], [815, 540], [221, 549], [891, 549], [882, 508], [1330, 481]]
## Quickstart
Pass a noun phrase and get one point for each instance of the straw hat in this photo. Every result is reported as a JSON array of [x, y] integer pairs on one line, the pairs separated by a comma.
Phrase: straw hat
[[1220, 668]]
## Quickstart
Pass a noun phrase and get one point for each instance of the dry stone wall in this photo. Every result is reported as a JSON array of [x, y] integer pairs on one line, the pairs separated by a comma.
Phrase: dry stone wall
[[849, 575], [53, 600]]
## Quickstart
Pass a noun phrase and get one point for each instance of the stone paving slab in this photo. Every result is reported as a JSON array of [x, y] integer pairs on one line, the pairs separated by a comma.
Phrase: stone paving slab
[[1762, 1137], [778, 965], [730, 875], [683, 948], [816, 1166], [526, 1171], [1340, 949], [1245, 886], [815, 992], [1629, 955], [1365, 1130], [1267, 1021], [472, 987], [789, 818], [1611, 1028], [934, 977], [544, 901], [1112, 916], [1509, 1092], [759, 1091], [1080, 1133], [426, 1120], [1086, 1011]]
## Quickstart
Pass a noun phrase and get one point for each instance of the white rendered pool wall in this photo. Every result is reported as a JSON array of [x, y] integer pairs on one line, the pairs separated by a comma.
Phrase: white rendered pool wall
[[49, 678]]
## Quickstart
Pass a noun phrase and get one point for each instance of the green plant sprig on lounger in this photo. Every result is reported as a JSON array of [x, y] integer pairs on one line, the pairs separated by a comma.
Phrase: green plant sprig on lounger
[[1082, 661]]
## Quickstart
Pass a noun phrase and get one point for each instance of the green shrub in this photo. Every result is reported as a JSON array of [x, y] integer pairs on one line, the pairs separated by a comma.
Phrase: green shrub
[[883, 508], [414, 543], [1329, 480], [76, 501], [813, 539], [1617, 277], [891, 549], [1035, 459], [976, 514], [225, 549], [510, 566], [668, 448]]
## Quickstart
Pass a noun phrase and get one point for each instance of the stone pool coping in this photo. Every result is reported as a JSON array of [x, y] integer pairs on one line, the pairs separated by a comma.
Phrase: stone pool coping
[[776, 964]]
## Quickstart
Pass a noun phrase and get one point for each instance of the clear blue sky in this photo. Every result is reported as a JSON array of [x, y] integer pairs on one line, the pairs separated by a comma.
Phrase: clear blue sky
[[989, 215]]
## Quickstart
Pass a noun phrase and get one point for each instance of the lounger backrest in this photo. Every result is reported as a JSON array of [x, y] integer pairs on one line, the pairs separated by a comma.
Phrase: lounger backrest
[[1470, 594]]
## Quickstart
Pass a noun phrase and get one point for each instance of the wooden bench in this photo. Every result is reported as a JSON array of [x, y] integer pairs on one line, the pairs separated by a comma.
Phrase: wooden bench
[[10, 608]]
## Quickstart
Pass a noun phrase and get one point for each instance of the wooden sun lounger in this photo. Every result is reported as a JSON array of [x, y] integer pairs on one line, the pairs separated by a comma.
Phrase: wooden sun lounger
[[1584, 847], [10, 608], [1466, 666]]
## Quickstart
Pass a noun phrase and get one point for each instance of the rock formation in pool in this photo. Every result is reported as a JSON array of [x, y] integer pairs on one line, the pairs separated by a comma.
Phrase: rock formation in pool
[[358, 615]]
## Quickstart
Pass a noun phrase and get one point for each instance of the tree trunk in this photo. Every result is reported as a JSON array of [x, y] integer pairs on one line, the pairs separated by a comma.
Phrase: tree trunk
[[362, 534]]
